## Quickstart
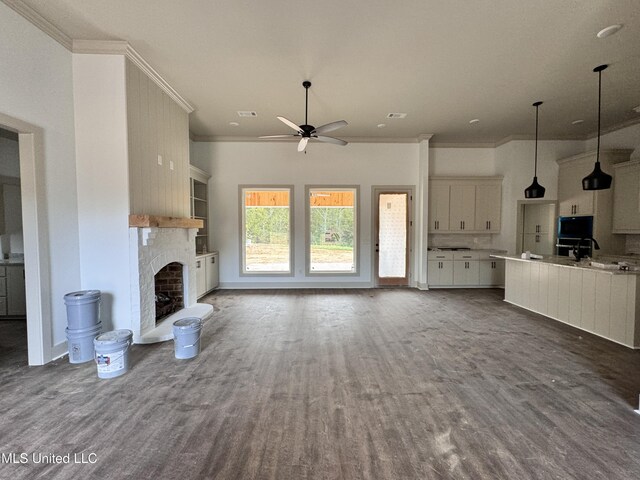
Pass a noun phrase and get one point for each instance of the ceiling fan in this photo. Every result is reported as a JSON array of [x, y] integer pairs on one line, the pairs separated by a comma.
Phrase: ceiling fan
[[308, 132]]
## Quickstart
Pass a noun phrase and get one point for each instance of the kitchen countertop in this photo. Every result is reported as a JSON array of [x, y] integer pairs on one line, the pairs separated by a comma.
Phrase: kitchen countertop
[[11, 261], [463, 249], [569, 263], [198, 255]]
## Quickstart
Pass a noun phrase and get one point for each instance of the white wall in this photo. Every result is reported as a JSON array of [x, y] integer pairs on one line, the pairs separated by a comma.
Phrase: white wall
[[103, 182], [235, 163], [36, 87]]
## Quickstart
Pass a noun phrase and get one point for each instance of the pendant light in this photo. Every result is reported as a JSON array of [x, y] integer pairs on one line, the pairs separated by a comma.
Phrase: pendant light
[[535, 190], [597, 180]]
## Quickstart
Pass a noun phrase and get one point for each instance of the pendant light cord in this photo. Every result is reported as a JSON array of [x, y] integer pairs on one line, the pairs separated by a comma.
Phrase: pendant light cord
[[535, 165], [599, 103]]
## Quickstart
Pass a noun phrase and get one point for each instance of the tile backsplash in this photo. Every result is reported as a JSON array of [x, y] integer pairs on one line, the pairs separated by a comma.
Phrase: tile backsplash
[[633, 244], [457, 240]]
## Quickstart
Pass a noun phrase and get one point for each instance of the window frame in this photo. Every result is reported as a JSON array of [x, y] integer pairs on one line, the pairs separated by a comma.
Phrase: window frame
[[307, 233], [242, 233]]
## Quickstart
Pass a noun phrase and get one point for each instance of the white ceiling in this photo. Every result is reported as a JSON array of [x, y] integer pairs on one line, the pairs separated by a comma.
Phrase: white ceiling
[[441, 62]]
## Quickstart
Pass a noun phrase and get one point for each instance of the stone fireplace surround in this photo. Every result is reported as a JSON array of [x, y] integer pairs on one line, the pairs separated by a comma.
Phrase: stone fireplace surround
[[150, 249]]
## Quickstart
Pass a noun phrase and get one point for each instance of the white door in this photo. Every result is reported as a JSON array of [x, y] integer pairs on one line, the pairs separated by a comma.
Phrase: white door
[[487, 204], [438, 208], [462, 208], [392, 252]]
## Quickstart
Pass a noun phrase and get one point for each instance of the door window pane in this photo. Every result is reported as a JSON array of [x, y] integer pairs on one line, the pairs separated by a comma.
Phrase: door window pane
[[332, 230], [392, 235], [266, 230]]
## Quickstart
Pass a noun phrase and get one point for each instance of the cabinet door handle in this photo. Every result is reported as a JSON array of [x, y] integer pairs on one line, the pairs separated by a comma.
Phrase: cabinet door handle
[[213, 259], [463, 224], [489, 224], [198, 264]]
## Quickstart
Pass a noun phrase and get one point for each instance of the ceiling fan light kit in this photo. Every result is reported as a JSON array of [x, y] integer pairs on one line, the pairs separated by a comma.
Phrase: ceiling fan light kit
[[309, 132], [535, 190], [598, 180]]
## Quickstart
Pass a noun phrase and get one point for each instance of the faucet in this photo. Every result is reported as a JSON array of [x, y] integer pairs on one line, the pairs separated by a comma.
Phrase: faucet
[[576, 247]]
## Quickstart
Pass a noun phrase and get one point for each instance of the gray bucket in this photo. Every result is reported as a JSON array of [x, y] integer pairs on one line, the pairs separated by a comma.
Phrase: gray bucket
[[80, 343], [83, 308], [186, 335], [112, 353]]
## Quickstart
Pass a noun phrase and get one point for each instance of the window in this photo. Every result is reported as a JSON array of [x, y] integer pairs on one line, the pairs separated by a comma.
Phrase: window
[[332, 230], [266, 230]]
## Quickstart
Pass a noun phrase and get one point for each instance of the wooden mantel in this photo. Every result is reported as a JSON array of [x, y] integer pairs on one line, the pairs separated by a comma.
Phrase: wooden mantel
[[142, 221]]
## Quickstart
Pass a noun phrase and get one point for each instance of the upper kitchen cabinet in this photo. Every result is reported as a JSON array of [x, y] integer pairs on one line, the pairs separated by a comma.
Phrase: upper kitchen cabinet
[[572, 198], [599, 203], [626, 198], [465, 204], [438, 207]]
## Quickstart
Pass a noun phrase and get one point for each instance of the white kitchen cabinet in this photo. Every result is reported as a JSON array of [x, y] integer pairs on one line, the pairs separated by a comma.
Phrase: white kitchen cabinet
[[462, 208], [440, 273], [488, 200], [466, 268], [491, 272], [600, 302], [201, 277], [12, 291], [626, 198], [212, 272], [207, 273], [599, 203], [439, 208], [465, 204]]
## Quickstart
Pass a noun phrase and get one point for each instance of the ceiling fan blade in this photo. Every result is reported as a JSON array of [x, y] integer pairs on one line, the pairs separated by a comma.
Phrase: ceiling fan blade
[[303, 144], [330, 127], [290, 123], [279, 136], [336, 141]]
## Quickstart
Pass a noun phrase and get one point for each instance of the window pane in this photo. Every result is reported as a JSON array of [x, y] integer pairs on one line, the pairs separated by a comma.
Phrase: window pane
[[267, 231], [332, 230]]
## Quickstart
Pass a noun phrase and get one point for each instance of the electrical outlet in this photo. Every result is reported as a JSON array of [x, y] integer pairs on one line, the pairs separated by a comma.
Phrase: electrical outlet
[[159, 159], [170, 164]]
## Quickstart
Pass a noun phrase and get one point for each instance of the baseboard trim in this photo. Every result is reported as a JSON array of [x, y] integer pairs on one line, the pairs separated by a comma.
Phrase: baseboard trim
[[290, 285], [59, 350]]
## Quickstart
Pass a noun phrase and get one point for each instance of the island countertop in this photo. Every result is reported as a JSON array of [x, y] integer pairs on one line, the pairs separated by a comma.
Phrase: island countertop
[[571, 263]]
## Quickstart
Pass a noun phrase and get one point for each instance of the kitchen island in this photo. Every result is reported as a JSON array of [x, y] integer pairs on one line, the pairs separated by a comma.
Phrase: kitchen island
[[600, 301]]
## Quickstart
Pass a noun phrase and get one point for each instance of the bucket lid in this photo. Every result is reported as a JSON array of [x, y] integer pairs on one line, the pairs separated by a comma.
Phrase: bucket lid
[[82, 295], [115, 336], [188, 323]]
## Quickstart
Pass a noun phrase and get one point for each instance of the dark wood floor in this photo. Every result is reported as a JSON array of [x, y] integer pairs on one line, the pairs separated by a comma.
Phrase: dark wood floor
[[332, 384]]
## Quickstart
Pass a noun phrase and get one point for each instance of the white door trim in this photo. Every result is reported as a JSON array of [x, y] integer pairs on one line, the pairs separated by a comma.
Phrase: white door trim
[[36, 239]]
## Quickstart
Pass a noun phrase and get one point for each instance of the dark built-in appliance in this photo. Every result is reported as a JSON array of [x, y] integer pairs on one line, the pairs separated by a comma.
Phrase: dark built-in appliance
[[570, 231]]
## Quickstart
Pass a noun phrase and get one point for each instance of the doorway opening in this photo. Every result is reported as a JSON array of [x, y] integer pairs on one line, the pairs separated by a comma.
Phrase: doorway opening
[[536, 232], [392, 235]]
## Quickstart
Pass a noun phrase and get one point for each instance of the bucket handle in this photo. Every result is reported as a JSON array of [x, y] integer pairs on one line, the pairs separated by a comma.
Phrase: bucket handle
[[95, 358], [193, 345]]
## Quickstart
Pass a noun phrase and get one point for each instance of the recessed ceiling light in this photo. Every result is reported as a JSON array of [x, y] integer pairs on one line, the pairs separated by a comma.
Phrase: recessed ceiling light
[[610, 30], [396, 115], [475, 120], [636, 109], [577, 122], [234, 124], [382, 125]]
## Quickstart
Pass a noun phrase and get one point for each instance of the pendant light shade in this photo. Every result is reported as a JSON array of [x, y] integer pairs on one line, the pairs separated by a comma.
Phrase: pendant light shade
[[597, 180], [535, 190]]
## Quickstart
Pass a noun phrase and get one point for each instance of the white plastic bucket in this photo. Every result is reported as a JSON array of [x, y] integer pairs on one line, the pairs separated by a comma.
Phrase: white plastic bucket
[[83, 308], [186, 336], [80, 343], [112, 353]]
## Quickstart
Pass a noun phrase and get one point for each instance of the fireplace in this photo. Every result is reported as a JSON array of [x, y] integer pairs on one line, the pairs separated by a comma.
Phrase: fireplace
[[151, 250], [169, 290]]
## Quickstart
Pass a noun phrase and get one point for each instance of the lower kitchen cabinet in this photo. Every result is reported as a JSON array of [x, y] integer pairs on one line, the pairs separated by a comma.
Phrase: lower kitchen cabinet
[[12, 291], [464, 269], [207, 273]]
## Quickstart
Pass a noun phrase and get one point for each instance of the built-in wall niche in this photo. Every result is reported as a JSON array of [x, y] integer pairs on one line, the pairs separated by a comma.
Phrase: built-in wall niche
[[200, 206]]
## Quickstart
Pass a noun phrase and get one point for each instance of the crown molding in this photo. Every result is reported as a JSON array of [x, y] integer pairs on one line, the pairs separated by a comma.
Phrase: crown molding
[[120, 47], [613, 128], [222, 138], [462, 145], [39, 21]]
